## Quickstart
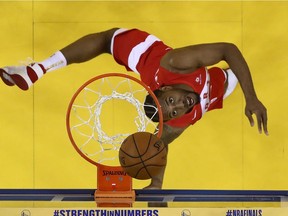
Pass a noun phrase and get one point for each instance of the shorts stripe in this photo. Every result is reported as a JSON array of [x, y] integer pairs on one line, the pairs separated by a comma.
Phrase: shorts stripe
[[118, 31], [138, 50]]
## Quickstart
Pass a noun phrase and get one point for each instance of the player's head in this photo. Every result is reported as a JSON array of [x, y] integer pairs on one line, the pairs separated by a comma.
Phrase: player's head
[[174, 102]]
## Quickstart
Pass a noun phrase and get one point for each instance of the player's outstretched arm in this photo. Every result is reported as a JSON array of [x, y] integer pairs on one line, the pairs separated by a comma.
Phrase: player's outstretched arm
[[168, 135], [188, 59], [156, 181]]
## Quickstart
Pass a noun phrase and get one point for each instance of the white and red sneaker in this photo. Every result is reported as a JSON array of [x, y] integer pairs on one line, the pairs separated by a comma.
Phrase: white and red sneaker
[[6, 78], [22, 76]]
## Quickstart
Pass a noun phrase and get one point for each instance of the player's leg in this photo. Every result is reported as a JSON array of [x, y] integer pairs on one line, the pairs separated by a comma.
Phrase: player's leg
[[88, 47], [82, 50]]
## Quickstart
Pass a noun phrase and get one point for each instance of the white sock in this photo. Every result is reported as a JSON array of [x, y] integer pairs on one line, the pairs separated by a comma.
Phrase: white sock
[[56, 61]]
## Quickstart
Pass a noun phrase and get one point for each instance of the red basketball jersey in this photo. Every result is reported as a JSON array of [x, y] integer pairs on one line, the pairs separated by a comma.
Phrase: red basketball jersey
[[141, 52]]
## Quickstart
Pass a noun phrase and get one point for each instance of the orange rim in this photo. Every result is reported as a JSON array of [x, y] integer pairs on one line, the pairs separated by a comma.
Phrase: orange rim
[[160, 125]]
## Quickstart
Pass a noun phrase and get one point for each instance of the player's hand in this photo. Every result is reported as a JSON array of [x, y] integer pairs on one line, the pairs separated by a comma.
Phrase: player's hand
[[156, 182], [153, 186], [254, 106]]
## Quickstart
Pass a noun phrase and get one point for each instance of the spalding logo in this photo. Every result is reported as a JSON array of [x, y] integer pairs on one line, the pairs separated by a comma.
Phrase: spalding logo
[[109, 172]]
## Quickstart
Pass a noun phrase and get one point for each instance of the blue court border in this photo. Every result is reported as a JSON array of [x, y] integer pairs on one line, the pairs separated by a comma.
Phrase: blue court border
[[148, 195]]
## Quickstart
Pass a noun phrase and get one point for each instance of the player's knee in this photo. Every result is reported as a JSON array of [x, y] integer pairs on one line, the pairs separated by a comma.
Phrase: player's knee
[[108, 38]]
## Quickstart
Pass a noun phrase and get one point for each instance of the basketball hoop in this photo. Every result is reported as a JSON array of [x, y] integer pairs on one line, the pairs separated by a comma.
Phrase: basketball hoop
[[102, 113]]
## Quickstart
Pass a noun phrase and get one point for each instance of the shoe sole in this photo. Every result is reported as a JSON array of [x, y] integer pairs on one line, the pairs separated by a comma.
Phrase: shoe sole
[[20, 82], [5, 80], [25, 80]]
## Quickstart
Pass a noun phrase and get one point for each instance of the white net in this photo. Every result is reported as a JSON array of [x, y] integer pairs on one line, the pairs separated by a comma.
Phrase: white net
[[106, 111]]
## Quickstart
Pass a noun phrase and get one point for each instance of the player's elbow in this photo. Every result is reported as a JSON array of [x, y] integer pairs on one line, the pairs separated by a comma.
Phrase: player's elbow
[[227, 46], [230, 49]]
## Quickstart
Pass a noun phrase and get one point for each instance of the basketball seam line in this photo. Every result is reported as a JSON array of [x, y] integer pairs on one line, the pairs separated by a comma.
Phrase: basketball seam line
[[141, 156]]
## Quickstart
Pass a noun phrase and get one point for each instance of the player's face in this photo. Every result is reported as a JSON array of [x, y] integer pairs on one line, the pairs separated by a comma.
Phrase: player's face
[[176, 102]]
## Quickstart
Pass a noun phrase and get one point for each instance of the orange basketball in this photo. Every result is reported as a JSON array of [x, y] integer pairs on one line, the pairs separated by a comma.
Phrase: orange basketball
[[142, 155]]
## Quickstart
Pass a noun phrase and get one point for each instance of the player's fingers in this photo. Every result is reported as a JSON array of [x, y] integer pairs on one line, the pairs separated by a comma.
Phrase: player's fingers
[[264, 121], [250, 118], [259, 122]]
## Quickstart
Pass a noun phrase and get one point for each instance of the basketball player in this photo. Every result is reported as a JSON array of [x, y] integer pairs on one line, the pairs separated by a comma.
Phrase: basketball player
[[184, 86]]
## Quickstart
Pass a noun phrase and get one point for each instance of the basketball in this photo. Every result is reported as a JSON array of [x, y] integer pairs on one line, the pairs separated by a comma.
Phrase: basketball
[[142, 155]]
